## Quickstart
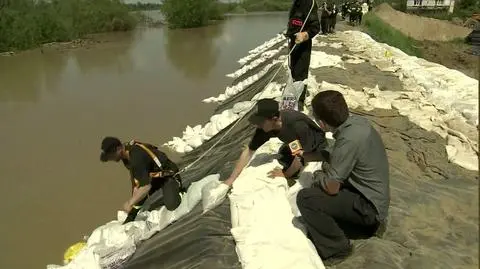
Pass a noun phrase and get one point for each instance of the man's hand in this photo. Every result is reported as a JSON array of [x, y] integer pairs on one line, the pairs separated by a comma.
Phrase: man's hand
[[277, 172], [127, 206], [301, 37], [299, 153]]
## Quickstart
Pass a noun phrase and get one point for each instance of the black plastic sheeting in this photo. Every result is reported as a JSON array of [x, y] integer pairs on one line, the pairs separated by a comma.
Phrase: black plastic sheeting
[[196, 240]]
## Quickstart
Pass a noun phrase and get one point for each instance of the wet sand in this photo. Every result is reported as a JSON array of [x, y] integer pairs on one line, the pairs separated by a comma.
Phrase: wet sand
[[56, 106]]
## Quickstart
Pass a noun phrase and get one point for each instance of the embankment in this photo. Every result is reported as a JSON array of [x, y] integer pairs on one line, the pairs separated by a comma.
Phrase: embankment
[[390, 30], [420, 28]]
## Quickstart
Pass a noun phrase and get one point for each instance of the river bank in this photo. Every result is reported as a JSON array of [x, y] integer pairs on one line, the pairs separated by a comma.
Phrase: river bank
[[147, 19], [30, 24]]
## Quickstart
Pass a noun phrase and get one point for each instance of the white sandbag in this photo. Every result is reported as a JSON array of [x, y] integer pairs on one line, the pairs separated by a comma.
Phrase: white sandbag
[[213, 195], [209, 100], [291, 95], [187, 148], [241, 106], [257, 201], [322, 59], [188, 131], [209, 130], [222, 97], [195, 141]]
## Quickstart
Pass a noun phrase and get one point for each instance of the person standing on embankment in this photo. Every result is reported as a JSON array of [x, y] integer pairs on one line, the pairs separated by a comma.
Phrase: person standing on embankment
[[302, 14]]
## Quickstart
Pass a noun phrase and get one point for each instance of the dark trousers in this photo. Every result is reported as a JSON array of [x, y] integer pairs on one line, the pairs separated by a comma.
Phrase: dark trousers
[[332, 219], [171, 195], [333, 23], [300, 59], [300, 64], [324, 24]]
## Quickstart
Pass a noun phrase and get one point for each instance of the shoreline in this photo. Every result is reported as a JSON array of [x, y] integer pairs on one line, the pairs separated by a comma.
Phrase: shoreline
[[92, 40]]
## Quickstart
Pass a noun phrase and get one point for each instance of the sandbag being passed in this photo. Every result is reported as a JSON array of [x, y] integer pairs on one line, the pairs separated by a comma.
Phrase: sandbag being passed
[[291, 95], [213, 194]]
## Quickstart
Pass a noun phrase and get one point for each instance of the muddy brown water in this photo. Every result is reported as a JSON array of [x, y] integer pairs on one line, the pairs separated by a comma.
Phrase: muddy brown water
[[55, 108]]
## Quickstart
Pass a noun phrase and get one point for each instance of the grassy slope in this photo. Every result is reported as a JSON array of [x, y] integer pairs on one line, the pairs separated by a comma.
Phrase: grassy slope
[[382, 32]]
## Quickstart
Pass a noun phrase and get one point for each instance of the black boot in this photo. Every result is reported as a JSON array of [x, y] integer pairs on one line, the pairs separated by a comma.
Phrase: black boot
[[131, 215]]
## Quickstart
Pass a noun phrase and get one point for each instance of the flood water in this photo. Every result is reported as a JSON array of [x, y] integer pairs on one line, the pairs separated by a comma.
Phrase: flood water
[[55, 108]]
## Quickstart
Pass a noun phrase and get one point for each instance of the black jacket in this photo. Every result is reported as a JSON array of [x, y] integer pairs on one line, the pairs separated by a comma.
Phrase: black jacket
[[298, 17]]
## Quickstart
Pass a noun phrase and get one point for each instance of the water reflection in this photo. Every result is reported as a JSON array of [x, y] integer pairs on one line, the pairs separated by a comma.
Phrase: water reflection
[[113, 54], [193, 51], [24, 77]]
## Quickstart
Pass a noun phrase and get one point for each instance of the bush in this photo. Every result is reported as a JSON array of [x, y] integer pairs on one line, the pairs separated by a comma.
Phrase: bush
[[190, 13], [25, 24], [382, 32]]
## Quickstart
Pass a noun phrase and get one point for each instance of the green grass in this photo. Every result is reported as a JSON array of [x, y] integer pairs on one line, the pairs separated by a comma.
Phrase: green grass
[[26, 24], [382, 32]]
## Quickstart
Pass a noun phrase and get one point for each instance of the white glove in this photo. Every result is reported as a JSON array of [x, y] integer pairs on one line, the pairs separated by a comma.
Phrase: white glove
[[213, 195]]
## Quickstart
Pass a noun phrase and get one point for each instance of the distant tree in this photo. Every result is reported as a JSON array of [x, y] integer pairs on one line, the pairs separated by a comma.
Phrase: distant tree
[[189, 13]]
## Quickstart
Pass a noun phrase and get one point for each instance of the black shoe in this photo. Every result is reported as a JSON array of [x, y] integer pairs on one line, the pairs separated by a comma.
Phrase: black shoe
[[339, 257]]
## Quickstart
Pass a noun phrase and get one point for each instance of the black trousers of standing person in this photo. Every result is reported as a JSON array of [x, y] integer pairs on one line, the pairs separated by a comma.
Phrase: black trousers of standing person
[[332, 219], [324, 24], [171, 195], [300, 64], [333, 23]]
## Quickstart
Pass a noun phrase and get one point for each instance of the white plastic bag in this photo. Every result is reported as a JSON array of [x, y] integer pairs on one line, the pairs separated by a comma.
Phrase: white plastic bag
[[291, 95], [213, 195]]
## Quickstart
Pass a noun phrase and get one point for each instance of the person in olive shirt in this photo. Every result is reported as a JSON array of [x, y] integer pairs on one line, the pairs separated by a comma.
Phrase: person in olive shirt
[[351, 191], [304, 140], [150, 170]]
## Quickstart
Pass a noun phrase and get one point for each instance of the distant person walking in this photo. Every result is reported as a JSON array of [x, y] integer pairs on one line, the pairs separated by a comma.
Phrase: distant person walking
[[303, 16], [333, 19]]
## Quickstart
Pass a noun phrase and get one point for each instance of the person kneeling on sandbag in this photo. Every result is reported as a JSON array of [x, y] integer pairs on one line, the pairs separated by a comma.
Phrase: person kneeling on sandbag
[[303, 140], [150, 170], [350, 196]]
